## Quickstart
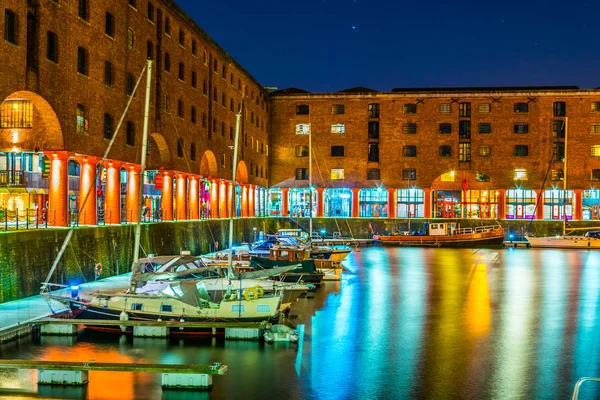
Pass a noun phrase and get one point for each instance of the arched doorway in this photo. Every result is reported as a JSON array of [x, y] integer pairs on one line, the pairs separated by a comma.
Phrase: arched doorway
[[465, 194]]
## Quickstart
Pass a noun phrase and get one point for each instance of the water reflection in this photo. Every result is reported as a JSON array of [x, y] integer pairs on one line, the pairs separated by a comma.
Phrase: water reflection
[[403, 323]]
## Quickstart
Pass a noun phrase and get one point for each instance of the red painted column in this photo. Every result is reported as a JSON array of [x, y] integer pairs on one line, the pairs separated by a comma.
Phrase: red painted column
[[244, 201], [285, 202], [86, 203], [320, 204], [355, 203], [133, 192], [193, 195], [427, 203], [181, 196], [231, 188], [58, 188], [392, 205], [166, 200], [222, 199], [112, 198], [251, 199], [577, 204], [539, 212], [501, 204], [214, 198]]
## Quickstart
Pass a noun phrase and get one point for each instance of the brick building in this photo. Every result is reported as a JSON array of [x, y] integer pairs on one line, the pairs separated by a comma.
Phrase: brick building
[[453, 152], [69, 69]]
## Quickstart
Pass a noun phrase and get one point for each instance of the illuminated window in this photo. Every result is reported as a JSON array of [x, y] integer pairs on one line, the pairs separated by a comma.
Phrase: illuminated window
[[520, 174], [596, 106], [337, 173], [595, 151], [557, 174], [482, 177], [16, 114], [338, 128], [337, 109], [445, 108], [447, 177], [409, 109], [302, 129], [374, 110], [485, 151], [464, 152], [82, 124], [464, 109], [485, 108], [521, 107], [130, 39], [595, 128]]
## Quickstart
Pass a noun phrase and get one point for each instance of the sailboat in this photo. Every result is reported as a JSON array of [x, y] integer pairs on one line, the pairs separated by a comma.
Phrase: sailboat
[[188, 300], [563, 241]]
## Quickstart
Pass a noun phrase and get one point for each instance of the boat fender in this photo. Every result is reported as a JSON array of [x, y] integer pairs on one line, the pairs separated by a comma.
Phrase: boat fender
[[124, 316], [181, 320], [98, 269], [233, 296]]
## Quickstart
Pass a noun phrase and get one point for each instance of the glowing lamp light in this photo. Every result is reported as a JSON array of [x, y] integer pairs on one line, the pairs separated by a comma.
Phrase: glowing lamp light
[[510, 236], [15, 150], [16, 106], [323, 231], [379, 189], [74, 291], [451, 173]]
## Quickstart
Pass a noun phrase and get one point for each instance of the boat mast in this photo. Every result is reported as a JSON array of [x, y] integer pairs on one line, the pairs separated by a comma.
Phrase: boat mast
[[565, 181], [310, 196], [135, 267], [233, 210]]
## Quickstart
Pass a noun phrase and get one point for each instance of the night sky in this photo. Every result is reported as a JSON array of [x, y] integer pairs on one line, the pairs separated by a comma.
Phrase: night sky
[[331, 45]]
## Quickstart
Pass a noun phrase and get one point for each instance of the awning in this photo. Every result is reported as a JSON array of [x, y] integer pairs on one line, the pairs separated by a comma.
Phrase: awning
[[4, 190], [17, 190], [72, 193]]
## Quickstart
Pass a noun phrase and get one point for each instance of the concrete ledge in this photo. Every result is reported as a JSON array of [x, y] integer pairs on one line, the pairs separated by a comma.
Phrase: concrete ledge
[[61, 377], [186, 381], [151, 331], [14, 333], [242, 333], [59, 329]]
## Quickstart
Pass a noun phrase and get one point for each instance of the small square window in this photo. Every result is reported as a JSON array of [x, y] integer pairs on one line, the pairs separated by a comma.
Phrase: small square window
[[595, 176], [445, 151], [521, 150], [595, 128], [595, 151], [409, 174], [485, 127], [302, 129], [485, 108], [373, 174], [520, 174], [596, 106], [409, 151], [337, 109], [445, 108], [337, 174], [485, 151], [410, 109], [337, 151], [409, 128], [521, 127], [521, 107], [445, 128], [338, 128], [302, 109]]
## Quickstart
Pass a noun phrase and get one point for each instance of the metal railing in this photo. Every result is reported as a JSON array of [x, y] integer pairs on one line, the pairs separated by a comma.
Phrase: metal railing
[[479, 229], [578, 386]]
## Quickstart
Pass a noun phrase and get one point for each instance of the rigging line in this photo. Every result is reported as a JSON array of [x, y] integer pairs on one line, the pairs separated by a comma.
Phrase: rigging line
[[540, 197], [44, 286], [333, 187]]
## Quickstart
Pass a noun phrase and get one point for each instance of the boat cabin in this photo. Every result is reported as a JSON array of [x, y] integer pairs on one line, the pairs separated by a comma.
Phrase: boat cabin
[[297, 234], [293, 254], [443, 228]]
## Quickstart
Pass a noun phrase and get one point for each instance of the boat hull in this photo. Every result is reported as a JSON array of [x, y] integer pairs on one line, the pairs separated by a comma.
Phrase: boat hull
[[483, 239], [564, 242]]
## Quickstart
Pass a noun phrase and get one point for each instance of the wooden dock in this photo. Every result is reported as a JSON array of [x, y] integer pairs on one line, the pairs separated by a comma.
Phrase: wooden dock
[[345, 242], [131, 323]]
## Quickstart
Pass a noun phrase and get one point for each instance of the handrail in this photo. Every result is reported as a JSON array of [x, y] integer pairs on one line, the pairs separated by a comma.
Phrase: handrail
[[578, 385]]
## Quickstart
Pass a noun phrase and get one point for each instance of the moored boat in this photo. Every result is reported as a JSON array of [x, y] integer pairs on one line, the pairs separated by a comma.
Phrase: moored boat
[[448, 234]]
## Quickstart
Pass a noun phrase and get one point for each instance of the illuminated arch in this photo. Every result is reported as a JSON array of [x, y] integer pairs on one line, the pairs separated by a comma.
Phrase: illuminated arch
[[208, 164], [242, 173], [48, 136], [461, 180]]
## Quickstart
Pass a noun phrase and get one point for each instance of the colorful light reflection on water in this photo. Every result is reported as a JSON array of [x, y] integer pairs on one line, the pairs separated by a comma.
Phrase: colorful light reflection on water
[[403, 323]]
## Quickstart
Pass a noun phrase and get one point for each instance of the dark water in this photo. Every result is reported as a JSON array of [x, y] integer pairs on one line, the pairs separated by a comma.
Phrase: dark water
[[403, 324]]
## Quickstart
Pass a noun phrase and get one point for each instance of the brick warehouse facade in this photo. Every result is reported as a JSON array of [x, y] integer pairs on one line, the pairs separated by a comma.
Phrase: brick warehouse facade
[[69, 68], [465, 152], [67, 71]]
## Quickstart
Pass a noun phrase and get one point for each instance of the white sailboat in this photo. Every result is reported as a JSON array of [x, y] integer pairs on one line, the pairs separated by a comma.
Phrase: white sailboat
[[564, 241], [188, 300]]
